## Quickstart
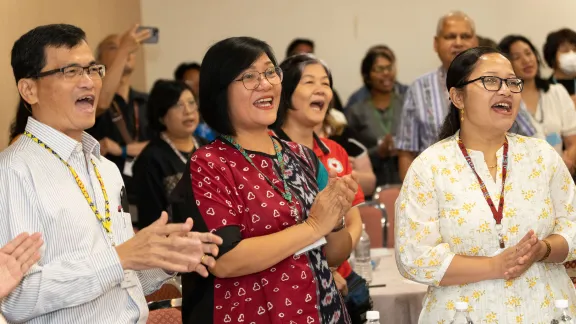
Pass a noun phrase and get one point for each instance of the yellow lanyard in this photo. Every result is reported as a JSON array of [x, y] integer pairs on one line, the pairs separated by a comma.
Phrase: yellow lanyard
[[106, 221]]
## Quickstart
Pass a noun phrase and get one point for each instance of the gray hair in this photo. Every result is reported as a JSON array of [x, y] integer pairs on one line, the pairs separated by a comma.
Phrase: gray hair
[[454, 14]]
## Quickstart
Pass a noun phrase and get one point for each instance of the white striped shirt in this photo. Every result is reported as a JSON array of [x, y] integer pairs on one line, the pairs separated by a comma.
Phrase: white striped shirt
[[426, 105], [79, 278]]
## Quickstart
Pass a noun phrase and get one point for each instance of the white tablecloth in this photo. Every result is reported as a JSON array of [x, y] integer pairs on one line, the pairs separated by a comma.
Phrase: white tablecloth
[[400, 302]]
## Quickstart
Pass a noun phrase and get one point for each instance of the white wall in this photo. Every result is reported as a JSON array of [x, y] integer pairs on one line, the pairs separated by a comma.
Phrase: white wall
[[343, 30]]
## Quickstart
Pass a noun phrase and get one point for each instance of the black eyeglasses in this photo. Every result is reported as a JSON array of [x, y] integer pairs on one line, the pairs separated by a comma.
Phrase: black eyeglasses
[[251, 79], [494, 83], [74, 72]]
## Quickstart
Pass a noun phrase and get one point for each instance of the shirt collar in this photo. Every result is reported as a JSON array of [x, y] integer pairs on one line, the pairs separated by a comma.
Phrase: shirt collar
[[318, 144], [61, 143]]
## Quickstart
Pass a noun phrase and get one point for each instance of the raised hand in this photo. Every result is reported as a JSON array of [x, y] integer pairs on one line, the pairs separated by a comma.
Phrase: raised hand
[[16, 258], [171, 247], [131, 39]]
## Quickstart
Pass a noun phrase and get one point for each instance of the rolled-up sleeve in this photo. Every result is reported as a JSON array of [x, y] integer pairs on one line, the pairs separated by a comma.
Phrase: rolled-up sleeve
[[562, 195], [422, 256]]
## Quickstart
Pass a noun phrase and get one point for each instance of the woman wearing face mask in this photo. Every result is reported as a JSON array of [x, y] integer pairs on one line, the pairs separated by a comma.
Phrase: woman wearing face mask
[[306, 95], [485, 216], [173, 116], [552, 112], [560, 54], [280, 217]]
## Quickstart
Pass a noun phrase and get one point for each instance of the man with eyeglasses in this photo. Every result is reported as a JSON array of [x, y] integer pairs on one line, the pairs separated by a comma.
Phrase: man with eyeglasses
[[53, 180], [427, 102], [121, 124]]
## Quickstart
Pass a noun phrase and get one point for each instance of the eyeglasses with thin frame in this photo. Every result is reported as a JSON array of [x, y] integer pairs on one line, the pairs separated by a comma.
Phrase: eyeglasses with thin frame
[[72, 72], [251, 79], [181, 106], [494, 83], [383, 68]]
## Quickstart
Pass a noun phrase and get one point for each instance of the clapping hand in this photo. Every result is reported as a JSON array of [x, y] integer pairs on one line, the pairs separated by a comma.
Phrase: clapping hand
[[16, 258], [171, 247], [332, 203]]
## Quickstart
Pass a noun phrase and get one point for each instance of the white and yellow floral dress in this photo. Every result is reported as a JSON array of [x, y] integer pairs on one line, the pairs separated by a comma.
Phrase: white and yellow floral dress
[[441, 212]]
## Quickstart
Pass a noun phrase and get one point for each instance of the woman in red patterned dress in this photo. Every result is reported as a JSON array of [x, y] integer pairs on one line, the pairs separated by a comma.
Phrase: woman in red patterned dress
[[306, 95], [280, 215]]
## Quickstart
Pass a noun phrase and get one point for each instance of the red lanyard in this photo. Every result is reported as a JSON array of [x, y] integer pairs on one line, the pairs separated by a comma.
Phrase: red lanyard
[[496, 213]]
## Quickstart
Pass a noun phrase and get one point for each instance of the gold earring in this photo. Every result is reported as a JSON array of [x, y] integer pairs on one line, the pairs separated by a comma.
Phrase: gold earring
[[461, 115]]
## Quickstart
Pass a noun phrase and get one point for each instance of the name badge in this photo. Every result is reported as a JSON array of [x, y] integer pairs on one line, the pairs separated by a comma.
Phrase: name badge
[[128, 167], [314, 245]]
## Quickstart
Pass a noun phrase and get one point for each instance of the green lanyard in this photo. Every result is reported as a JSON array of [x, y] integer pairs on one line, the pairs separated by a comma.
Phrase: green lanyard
[[384, 118], [287, 195]]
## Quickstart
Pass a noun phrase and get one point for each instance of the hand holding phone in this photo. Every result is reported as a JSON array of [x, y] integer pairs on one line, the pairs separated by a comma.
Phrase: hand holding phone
[[153, 31]]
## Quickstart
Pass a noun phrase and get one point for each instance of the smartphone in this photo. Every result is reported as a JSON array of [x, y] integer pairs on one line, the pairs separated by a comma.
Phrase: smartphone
[[153, 35]]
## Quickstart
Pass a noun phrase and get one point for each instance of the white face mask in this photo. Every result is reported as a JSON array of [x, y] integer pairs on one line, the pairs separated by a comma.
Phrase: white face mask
[[567, 63]]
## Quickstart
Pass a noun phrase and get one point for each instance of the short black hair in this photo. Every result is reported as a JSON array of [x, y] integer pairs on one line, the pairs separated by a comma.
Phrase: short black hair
[[368, 63], [298, 41], [163, 96], [29, 51], [221, 65], [505, 45], [459, 71], [292, 69], [553, 41], [183, 68]]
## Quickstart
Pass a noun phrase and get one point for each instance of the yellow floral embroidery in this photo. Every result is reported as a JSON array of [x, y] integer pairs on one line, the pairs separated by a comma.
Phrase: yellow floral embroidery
[[519, 319], [491, 318], [454, 212], [446, 172], [528, 194], [508, 188], [510, 212], [468, 207], [474, 251], [448, 196], [442, 158], [514, 229], [434, 170], [544, 214], [477, 294], [456, 240], [450, 305], [461, 221], [531, 281], [485, 227], [508, 283], [535, 174], [518, 157], [539, 160], [513, 301], [459, 167]]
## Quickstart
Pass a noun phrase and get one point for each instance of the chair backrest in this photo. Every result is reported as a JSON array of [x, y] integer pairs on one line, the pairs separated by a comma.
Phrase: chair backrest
[[372, 217], [387, 195], [165, 316], [169, 290]]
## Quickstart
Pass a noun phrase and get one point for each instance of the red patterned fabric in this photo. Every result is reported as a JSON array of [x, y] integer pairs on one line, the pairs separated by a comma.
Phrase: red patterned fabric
[[167, 291], [165, 316], [230, 192]]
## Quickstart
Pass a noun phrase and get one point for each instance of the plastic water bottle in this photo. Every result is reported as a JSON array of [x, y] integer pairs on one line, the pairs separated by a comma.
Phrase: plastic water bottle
[[461, 316], [561, 313], [362, 260], [372, 317]]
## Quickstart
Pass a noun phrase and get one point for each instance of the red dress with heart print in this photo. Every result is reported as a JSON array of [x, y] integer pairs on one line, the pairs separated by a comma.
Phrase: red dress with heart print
[[236, 202]]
